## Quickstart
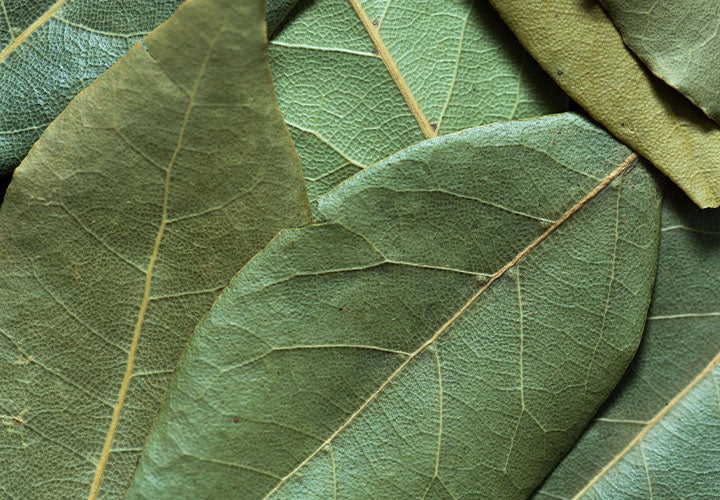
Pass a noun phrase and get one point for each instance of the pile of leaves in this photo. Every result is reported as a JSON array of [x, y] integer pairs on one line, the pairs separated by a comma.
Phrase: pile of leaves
[[365, 249]]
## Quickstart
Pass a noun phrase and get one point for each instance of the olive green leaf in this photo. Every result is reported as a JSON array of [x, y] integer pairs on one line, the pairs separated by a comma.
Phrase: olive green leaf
[[576, 42], [658, 436], [446, 331], [51, 50], [120, 228], [359, 80], [679, 43]]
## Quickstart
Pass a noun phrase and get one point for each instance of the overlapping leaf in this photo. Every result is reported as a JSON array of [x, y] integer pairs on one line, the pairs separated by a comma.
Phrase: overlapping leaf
[[276, 12], [678, 41], [577, 44], [360, 80], [52, 49], [445, 332], [134, 209], [659, 434]]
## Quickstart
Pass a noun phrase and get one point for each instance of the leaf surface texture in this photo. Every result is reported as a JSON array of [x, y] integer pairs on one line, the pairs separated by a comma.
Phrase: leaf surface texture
[[51, 50], [445, 331], [678, 41], [119, 229], [577, 44], [360, 80], [658, 436]]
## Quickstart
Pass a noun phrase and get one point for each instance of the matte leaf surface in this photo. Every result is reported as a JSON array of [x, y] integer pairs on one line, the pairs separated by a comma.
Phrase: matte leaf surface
[[276, 12], [678, 41], [446, 331], [577, 44], [51, 50], [658, 436], [360, 80], [119, 229]]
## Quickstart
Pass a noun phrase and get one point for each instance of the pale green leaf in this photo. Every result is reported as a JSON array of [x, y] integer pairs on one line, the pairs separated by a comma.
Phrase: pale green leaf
[[658, 436], [432, 67], [52, 49], [446, 331], [119, 229], [678, 41], [577, 44]]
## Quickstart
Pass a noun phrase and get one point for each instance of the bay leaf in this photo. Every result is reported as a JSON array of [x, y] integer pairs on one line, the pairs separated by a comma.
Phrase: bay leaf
[[658, 434], [360, 80], [120, 228], [446, 331], [52, 49], [577, 44], [678, 41], [276, 12]]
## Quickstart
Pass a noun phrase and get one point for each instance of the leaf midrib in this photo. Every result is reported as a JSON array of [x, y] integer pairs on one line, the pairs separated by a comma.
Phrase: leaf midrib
[[128, 375], [374, 32], [617, 172], [17, 41], [649, 425]]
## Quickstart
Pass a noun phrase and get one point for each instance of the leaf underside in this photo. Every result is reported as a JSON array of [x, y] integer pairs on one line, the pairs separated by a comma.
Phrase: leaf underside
[[118, 231], [577, 44], [460, 66], [50, 50], [678, 41], [448, 329], [658, 434]]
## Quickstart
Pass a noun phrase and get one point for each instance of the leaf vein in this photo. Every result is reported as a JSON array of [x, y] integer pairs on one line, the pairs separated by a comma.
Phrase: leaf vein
[[617, 172]]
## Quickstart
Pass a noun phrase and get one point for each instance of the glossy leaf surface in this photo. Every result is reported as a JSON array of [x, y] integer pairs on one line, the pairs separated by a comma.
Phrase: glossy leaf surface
[[119, 229], [577, 44], [678, 41], [360, 80], [658, 436], [446, 331]]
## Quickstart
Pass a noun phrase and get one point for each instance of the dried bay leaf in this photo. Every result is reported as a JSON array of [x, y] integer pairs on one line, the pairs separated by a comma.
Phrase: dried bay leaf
[[577, 44], [360, 80], [446, 330], [118, 231], [52, 49], [679, 43], [658, 434]]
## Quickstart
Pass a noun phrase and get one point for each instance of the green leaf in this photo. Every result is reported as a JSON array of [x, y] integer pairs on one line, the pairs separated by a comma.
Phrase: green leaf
[[276, 12], [118, 231], [577, 44], [51, 50], [360, 80], [679, 43], [658, 435], [447, 330]]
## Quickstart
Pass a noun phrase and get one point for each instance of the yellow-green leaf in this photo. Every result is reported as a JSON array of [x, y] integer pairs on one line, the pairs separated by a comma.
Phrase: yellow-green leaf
[[577, 44], [118, 231]]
